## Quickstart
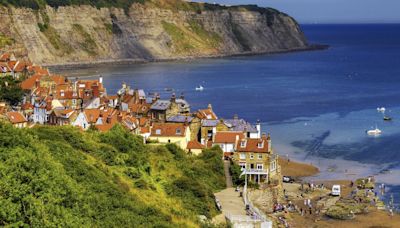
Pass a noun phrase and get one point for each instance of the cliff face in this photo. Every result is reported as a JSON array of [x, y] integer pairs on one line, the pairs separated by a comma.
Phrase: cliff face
[[76, 34]]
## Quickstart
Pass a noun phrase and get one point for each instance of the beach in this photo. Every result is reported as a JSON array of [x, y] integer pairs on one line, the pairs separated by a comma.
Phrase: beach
[[373, 218]]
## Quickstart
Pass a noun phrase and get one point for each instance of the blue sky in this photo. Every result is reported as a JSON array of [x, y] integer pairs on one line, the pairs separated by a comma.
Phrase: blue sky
[[331, 11]]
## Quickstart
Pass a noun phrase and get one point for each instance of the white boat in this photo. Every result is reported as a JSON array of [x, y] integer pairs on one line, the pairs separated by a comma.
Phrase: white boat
[[200, 88], [375, 131], [381, 109]]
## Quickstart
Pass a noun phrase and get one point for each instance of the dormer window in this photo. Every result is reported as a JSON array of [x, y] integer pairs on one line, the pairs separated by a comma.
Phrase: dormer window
[[62, 93], [158, 131], [178, 131], [260, 145], [243, 143]]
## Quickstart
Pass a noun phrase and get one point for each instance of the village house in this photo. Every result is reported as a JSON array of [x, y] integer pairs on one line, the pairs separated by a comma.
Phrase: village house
[[17, 119], [178, 133], [242, 125], [227, 141], [194, 147], [161, 110], [62, 117], [256, 156]]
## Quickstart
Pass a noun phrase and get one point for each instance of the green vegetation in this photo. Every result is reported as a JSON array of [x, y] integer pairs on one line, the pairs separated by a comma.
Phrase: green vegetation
[[60, 176], [10, 91], [54, 38], [5, 40], [109, 27], [191, 38], [346, 209], [88, 44], [235, 171], [39, 4], [211, 38], [174, 5]]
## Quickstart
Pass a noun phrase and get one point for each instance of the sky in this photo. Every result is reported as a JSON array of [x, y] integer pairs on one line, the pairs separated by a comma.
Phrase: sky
[[331, 11]]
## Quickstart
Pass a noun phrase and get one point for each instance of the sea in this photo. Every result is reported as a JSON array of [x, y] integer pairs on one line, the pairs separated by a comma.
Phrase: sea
[[317, 105]]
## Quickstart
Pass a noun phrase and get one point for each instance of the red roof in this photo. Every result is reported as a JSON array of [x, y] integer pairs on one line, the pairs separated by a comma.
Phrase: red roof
[[168, 130], [29, 84], [207, 114], [228, 136], [16, 117], [253, 145], [194, 145]]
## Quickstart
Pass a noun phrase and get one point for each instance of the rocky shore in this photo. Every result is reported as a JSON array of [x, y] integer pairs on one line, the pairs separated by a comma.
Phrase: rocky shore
[[88, 64], [309, 204]]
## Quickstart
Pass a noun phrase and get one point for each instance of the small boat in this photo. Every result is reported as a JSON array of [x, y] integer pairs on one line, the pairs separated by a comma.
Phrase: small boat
[[387, 118], [375, 131], [381, 109], [200, 88], [169, 89]]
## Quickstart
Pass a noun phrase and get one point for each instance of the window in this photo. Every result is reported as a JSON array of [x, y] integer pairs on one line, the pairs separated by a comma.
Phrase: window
[[242, 155], [178, 131], [259, 156], [243, 143], [209, 133], [158, 131], [260, 166], [260, 145], [242, 165], [73, 101], [273, 166], [251, 156]]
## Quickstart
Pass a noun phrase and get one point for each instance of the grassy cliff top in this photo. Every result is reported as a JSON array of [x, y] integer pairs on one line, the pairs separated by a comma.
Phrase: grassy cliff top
[[125, 4], [61, 176]]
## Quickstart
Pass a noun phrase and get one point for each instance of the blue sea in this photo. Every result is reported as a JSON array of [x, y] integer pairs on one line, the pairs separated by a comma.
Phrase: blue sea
[[317, 105]]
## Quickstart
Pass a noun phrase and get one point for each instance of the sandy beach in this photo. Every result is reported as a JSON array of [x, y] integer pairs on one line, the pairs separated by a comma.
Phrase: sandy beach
[[373, 218]]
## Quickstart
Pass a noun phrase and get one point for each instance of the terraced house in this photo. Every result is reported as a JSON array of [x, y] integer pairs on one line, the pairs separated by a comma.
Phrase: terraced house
[[257, 157]]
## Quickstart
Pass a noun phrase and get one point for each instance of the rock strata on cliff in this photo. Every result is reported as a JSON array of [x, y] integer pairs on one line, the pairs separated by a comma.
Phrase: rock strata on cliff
[[84, 34]]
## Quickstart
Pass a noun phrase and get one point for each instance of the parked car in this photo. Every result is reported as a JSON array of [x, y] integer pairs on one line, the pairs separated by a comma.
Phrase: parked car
[[335, 190], [288, 179]]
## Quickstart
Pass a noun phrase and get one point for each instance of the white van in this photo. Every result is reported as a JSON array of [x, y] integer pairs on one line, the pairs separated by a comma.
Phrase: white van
[[335, 190]]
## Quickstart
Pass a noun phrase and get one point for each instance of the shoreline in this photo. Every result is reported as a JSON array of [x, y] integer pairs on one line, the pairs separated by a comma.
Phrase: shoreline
[[87, 64], [374, 217]]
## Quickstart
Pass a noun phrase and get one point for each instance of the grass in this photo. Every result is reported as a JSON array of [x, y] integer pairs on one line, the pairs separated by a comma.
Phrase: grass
[[55, 39], [87, 43], [93, 179], [5, 40], [188, 40], [109, 27]]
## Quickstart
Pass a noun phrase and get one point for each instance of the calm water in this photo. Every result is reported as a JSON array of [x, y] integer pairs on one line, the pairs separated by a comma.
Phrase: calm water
[[317, 105]]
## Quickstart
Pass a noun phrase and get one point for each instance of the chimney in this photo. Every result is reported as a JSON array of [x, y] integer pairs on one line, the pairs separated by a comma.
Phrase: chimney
[[96, 92], [37, 83], [173, 98], [209, 106], [258, 126], [124, 85], [182, 96], [101, 79], [269, 143]]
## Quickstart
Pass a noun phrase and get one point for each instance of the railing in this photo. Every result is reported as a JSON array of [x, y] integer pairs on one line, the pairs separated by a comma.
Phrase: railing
[[256, 171]]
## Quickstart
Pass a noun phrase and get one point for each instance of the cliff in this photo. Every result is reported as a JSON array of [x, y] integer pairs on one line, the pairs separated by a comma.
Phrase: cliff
[[145, 32]]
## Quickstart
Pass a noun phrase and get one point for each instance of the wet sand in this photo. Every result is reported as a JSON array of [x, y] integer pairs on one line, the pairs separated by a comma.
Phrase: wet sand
[[297, 169], [375, 218]]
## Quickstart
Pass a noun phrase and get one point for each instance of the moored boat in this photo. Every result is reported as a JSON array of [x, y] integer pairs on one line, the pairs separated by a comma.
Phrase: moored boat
[[375, 131]]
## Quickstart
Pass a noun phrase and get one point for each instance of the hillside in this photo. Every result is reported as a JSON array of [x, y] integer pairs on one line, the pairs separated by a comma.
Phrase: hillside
[[60, 176], [87, 31]]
